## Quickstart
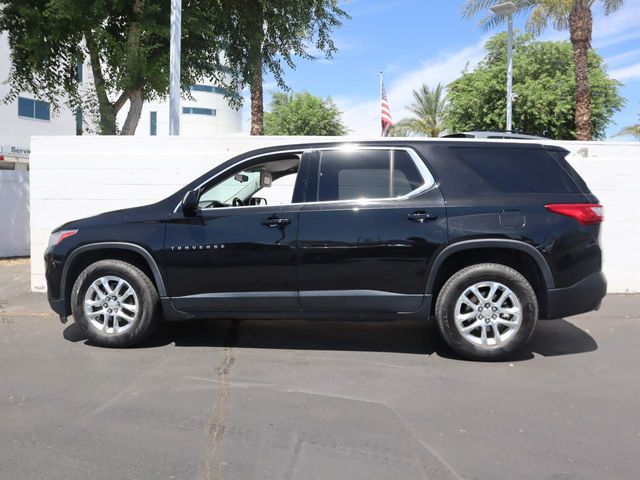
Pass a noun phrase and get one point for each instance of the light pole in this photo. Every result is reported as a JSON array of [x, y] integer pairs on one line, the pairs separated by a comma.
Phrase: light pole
[[174, 68], [507, 9]]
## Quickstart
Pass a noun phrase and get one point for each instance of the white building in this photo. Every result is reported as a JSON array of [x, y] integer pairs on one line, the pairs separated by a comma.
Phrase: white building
[[207, 115], [26, 116]]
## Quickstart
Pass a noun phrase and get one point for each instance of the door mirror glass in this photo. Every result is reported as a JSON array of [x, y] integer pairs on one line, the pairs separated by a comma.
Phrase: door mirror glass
[[190, 202]]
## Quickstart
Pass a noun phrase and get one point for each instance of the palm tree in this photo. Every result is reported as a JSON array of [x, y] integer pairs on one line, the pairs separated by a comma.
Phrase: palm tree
[[562, 14], [429, 107]]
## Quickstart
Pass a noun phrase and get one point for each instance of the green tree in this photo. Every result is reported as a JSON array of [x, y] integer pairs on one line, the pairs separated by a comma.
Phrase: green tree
[[575, 15], [543, 82], [265, 35], [302, 114], [127, 43], [429, 107]]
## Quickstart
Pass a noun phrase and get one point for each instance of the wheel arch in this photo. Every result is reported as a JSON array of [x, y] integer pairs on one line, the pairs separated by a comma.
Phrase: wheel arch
[[83, 256], [519, 255]]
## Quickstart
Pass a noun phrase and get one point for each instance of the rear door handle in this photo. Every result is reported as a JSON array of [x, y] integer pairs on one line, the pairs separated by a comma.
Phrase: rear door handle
[[276, 222], [421, 216]]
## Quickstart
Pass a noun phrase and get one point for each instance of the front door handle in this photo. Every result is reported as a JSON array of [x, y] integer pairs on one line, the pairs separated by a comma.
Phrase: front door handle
[[276, 222], [421, 216]]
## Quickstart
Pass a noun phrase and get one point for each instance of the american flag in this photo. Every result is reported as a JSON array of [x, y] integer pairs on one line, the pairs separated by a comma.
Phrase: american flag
[[385, 111]]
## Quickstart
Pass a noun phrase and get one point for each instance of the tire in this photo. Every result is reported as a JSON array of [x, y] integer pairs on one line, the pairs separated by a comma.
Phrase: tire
[[462, 317], [120, 293]]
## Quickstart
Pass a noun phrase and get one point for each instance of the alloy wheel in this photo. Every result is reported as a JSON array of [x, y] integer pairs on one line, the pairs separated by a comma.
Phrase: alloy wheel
[[111, 305], [488, 314]]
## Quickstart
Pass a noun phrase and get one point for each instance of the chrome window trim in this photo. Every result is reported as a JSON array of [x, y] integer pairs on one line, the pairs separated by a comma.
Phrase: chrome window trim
[[428, 179]]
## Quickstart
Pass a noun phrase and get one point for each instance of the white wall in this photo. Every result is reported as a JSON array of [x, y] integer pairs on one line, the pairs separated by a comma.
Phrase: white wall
[[14, 213], [612, 172], [75, 177]]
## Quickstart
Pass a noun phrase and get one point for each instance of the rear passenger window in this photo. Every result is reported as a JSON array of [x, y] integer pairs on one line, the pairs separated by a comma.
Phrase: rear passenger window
[[366, 174], [517, 170]]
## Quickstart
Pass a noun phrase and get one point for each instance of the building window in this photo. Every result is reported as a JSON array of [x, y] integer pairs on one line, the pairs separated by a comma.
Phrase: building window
[[153, 123], [29, 108], [199, 111], [209, 89], [79, 71]]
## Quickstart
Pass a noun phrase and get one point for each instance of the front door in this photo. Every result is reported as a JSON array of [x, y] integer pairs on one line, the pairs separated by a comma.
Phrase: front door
[[237, 254], [366, 243]]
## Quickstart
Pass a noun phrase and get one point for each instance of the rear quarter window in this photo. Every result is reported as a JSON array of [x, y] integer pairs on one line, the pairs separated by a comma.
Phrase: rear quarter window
[[517, 170]]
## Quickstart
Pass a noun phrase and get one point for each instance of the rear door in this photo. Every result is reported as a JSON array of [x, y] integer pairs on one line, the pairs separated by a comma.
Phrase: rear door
[[366, 237]]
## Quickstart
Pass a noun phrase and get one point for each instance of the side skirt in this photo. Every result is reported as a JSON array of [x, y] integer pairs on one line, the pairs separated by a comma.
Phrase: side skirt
[[171, 313]]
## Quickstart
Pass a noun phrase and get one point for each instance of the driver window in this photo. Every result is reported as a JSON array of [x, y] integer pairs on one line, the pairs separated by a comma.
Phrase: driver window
[[269, 183], [235, 186], [281, 191]]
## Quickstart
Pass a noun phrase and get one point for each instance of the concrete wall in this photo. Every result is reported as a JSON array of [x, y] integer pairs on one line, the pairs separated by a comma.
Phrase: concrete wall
[[74, 177], [14, 213], [612, 171]]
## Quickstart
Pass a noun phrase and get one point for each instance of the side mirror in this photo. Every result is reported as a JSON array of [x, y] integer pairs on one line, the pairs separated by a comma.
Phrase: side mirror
[[190, 202]]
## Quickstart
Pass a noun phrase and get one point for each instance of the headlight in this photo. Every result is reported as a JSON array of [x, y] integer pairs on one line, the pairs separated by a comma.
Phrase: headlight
[[60, 235]]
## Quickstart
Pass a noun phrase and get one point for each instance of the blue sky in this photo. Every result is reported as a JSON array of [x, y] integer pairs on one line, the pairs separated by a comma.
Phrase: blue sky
[[427, 41]]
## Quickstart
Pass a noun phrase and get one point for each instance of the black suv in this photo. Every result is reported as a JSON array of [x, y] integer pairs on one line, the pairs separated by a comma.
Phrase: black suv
[[485, 236]]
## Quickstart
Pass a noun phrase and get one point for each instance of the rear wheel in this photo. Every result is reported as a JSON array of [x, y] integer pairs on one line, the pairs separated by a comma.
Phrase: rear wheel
[[115, 303], [486, 311]]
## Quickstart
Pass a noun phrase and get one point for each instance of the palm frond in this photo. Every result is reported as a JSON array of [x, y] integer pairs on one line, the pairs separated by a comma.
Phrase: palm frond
[[633, 130], [428, 108], [471, 8], [611, 6]]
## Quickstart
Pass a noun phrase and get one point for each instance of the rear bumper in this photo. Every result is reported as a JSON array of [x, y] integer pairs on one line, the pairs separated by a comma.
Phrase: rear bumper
[[583, 296]]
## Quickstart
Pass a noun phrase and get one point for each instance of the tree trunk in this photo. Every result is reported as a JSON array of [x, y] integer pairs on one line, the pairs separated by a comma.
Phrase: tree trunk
[[136, 100], [255, 14], [136, 94], [580, 27], [257, 101], [107, 122]]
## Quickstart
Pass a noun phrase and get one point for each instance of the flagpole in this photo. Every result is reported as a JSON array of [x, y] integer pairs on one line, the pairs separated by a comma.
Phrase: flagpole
[[380, 94]]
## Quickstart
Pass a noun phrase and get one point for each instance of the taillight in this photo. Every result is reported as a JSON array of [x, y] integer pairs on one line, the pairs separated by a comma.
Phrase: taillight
[[585, 213]]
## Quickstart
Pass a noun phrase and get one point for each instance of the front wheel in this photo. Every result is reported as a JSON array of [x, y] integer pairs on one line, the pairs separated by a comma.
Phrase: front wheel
[[486, 311], [115, 303]]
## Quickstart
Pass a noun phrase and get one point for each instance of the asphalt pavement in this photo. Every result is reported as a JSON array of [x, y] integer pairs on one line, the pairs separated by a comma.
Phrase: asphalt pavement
[[314, 400]]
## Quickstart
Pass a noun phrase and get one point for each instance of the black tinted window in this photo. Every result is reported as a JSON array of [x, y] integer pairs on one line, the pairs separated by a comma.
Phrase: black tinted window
[[347, 175], [517, 170]]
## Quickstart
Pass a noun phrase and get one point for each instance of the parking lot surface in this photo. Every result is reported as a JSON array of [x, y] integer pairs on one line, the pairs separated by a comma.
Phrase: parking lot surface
[[314, 400]]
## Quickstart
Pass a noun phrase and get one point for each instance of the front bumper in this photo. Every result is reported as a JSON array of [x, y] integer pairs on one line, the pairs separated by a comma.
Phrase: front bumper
[[59, 306], [583, 296]]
